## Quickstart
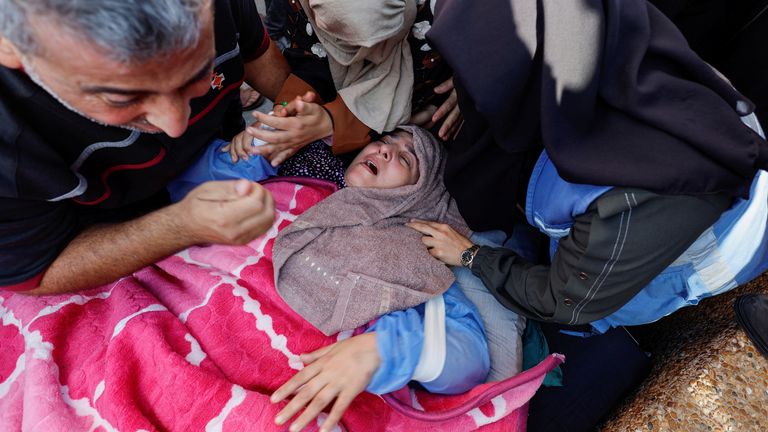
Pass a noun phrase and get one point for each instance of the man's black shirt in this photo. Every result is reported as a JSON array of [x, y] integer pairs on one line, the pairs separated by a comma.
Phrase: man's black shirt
[[60, 172]]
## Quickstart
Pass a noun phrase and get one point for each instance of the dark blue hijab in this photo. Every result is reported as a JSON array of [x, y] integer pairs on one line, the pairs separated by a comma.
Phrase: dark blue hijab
[[610, 88]]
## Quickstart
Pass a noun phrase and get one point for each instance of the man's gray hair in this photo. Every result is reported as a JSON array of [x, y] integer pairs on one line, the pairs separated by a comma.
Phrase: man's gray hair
[[130, 31]]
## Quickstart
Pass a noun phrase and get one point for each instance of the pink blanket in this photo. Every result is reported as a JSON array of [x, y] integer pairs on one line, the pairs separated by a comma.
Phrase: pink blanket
[[197, 342]]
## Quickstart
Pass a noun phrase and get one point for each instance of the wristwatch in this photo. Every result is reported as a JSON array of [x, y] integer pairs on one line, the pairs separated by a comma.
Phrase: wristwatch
[[468, 255]]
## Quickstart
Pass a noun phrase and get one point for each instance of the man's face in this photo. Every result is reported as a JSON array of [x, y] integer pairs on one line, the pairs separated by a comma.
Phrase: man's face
[[387, 163], [151, 97]]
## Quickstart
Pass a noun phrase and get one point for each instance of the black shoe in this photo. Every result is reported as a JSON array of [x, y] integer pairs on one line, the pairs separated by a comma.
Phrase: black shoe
[[752, 316]]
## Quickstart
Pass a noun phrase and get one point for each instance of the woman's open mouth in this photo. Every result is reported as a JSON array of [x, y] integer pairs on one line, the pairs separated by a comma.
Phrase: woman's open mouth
[[371, 166]]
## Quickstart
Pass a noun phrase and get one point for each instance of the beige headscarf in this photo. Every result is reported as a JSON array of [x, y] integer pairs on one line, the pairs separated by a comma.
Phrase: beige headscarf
[[369, 55], [350, 258]]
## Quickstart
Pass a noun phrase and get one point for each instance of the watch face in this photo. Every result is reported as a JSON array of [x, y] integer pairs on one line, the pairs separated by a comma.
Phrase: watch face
[[466, 256]]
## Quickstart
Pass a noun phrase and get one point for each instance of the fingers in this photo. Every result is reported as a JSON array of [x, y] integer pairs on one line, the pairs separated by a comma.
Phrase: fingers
[[311, 96], [450, 124], [437, 227], [427, 228], [270, 152], [247, 196], [253, 214], [309, 387], [304, 131], [445, 86], [342, 403], [340, 372], [257, 224], [234, 154], [316, 398], [442, 250], [289, 131], [273, 137], [227, 212], [304, 105], [267, 150], [290, 386], [310, 122], [221, 191], [239, 147], [301, 106], [319, 401], [241, 151], [449, 105], [278, 110], [280, 123], [232, 149], [444, 255], [441, 240], [429, 241], [243, 187], [289, 108], [308, 358]]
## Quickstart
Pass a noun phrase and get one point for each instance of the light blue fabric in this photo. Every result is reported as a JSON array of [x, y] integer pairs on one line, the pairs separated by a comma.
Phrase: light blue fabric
[[731, 252], [503, 327], [400, 337], [214, 164], [552, 204]]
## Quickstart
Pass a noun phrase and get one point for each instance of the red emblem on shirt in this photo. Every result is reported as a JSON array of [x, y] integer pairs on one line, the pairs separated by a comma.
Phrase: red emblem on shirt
[[217, 81]]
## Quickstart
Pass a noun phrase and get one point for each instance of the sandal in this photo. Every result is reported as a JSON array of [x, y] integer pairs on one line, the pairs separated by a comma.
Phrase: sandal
[[249, 94]]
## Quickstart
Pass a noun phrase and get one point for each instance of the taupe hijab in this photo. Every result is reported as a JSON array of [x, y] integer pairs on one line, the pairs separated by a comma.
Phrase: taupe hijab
[[350, 258], [369, 56]]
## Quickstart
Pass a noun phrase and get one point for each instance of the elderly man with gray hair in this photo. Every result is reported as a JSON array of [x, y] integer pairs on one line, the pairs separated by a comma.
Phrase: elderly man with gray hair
[[102, 102]]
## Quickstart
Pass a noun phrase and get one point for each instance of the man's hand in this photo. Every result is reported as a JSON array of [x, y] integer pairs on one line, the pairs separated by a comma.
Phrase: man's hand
[[442, 241], [298, 123], [226, 212], [340, 371]]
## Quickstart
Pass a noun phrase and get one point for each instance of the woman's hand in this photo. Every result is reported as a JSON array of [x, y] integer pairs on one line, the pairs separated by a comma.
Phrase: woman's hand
[[442, 241], [240, 147], [297, 124], [340, 371], [448, 110]]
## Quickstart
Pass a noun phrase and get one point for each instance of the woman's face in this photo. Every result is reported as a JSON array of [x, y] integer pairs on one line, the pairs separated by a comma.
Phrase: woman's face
[[387, 163]]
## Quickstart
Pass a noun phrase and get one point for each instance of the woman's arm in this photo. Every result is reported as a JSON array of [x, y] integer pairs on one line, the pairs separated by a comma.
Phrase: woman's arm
[[400, 340], [385, 358]]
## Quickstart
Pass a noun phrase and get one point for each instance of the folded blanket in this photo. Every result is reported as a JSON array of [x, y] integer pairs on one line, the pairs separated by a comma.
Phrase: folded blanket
[[196, 342], [350, 258]]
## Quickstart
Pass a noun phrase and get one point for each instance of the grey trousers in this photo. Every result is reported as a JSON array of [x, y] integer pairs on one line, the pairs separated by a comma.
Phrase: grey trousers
[[503, 327]]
